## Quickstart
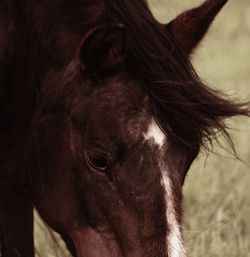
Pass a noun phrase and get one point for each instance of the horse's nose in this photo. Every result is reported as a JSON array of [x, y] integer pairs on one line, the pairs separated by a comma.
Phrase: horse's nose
[[89, 243]]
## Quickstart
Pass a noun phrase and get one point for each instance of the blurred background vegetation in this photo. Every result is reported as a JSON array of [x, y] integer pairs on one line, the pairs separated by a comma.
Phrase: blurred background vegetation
[[217, 200]]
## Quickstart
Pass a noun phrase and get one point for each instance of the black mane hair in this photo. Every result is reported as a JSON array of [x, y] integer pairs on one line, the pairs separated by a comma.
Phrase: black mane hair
[[183, 105]]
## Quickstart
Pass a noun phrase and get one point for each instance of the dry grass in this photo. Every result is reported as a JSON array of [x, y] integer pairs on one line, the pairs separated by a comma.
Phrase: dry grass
[[217, 202]]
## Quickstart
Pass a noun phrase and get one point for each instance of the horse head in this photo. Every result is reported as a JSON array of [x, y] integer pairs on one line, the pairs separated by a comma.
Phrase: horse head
[[110, 145]]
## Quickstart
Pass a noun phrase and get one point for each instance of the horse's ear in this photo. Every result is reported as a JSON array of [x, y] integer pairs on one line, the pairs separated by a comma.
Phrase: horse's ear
[[190, 27], [103, 48]]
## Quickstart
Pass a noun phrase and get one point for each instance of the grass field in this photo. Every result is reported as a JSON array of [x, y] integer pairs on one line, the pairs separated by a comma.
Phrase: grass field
[[217, 200]]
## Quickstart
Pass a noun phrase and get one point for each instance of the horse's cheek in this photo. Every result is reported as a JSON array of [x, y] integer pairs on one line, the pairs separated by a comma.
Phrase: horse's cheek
[[51, 173]]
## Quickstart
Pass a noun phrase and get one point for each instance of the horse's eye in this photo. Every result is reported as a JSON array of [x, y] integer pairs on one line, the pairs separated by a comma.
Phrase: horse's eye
[[98, 161]]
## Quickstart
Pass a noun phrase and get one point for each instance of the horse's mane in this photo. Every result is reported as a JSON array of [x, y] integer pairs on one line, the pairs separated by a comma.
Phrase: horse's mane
[[183, 105]]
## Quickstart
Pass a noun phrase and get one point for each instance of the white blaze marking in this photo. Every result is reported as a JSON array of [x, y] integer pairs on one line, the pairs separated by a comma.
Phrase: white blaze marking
[[155, 133], [174, 237]]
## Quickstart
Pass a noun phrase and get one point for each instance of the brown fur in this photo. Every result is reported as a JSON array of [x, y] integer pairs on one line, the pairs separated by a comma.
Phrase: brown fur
[[79, 84]]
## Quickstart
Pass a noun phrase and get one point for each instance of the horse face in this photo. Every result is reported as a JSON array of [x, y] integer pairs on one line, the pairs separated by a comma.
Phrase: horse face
[[113, 181], [129, 194]]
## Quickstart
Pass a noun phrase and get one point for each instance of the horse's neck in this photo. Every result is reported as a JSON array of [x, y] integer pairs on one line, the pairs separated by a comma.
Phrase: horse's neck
[[16, 76]]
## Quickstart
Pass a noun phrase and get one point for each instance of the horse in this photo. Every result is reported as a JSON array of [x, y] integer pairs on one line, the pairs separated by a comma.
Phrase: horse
[[101, 116]]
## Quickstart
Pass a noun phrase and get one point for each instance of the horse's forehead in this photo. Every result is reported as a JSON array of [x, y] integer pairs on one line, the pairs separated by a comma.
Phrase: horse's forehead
[[123, 108]]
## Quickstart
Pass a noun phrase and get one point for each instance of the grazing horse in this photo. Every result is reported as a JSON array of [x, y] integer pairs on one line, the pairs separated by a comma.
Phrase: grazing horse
[[102, 115]]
